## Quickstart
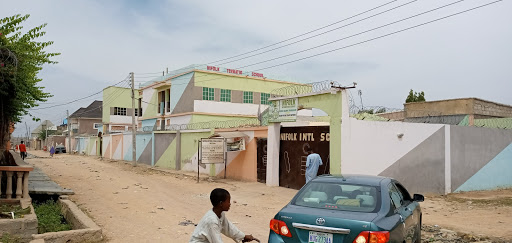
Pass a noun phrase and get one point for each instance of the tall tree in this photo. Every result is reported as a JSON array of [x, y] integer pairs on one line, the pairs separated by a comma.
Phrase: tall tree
[[21, 59], [415, 97]]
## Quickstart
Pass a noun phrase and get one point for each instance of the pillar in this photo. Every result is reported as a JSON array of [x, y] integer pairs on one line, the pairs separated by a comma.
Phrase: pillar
[[25, 185], [345, 127], [178, 150], [273, 142], [8, 190], [19, 184]]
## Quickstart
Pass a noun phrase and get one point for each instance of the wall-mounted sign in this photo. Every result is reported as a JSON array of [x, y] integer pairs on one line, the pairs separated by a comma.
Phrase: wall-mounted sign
[[212, 151], [234, 71], [283, 110]]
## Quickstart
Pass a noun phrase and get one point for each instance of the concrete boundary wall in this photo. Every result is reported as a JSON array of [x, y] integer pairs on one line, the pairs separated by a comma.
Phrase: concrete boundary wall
[[429, 158]]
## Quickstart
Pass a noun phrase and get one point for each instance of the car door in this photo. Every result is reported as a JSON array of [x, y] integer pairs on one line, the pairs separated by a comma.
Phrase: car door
[[406, 211], [412, 209], [397, 232], [402, 204]]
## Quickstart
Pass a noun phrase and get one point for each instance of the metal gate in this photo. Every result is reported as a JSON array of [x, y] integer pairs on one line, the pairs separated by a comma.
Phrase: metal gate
[[293, 155], [261, 160]]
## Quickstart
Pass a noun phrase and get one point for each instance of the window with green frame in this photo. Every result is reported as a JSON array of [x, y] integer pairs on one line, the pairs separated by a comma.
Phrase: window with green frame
[[208, 93], [264, 98], [225, 95], [248, 97]]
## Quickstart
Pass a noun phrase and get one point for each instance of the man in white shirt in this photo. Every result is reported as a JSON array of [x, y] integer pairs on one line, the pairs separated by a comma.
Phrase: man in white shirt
[[313, 161], [214, 222]]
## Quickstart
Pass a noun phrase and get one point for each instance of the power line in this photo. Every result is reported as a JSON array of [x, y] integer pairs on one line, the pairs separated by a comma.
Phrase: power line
[[309, 32], [292, 38], [108, 100], [382, 36], [323, 33], [360, 33], [73, 101], [358, 42]]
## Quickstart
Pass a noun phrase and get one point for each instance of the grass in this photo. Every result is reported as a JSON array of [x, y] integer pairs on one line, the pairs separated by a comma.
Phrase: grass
[[6, 209], [49, 217], [484, 202], [7, 238]]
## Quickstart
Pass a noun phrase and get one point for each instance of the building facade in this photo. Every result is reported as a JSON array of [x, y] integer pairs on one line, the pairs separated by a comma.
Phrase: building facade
[[201, 93], [117, 109]]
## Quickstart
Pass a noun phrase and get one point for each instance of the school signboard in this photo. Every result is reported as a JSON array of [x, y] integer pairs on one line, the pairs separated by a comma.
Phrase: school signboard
[[284, 110], [212, 151]]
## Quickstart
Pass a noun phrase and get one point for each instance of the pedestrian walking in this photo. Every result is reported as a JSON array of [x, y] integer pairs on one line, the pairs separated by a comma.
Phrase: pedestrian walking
[[52, 151], [23, 150], [214, 222], [313, 161]]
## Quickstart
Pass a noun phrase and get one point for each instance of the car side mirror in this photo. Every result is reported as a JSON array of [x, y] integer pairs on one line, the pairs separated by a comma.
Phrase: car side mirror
[[418, 198]]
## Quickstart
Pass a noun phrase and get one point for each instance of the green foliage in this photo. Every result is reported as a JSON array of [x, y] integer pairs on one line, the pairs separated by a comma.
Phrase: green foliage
[[369, 111], [49, 217], [43, 134], [21, 59], [415, 97], [7, 238]]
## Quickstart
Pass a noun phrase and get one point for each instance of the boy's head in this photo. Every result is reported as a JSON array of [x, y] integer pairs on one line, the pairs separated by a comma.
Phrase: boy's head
[[21, 141], [220, 198]]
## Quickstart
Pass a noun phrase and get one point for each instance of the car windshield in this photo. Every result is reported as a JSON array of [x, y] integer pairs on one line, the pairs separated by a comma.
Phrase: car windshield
[[337, 196]]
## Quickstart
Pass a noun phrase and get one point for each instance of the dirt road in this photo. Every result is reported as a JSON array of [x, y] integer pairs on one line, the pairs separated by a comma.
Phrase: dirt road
[[140, 204]]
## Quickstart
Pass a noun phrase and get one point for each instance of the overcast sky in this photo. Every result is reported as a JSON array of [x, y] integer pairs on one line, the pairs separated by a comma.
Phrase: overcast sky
[[468, 55]]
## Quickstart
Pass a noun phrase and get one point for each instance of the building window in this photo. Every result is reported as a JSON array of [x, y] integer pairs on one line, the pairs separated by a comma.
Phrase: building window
[[264, 99], [248, 97], [225, 95], [97, 125], [208, 93], [119, 111]]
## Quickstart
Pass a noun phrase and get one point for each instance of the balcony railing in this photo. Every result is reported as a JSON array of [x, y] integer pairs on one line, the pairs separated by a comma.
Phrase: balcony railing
[[16, 179]]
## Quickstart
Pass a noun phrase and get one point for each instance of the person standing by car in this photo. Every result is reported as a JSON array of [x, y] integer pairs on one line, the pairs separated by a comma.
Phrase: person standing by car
[[214, 222], [23, 150], [313, 161]]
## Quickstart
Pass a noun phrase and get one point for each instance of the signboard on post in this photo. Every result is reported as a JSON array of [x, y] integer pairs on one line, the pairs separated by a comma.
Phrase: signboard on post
[[212, 151], [284, 110]]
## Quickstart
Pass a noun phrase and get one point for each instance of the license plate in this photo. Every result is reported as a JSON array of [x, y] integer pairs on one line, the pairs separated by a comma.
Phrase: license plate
[[318, 237]]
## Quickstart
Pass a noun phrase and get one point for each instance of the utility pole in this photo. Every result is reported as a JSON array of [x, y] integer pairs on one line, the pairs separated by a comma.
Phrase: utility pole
[[69, 133], [26, 137], [360, 93], [134, 159]]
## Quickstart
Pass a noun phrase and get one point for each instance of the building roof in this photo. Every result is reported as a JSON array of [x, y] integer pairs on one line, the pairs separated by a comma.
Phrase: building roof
[[45, 123], [448, 119], [218, 70], [94, 110]]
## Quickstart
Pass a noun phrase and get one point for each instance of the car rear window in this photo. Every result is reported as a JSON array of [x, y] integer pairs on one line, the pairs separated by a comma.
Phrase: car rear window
[[344, 197]]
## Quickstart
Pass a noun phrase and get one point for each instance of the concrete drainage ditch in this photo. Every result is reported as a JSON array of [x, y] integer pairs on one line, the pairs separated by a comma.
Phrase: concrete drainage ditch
[[83, 228]]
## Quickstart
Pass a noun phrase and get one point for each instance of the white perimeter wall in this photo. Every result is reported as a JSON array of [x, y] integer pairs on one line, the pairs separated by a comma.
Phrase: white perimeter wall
[[369, 147]]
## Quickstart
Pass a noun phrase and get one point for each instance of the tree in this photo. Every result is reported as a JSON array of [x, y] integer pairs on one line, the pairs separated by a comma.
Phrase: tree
[[415, 97], [43, 134], [21, 59]]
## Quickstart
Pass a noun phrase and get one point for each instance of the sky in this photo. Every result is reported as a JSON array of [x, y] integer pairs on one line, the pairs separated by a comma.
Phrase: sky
[[101, 42]]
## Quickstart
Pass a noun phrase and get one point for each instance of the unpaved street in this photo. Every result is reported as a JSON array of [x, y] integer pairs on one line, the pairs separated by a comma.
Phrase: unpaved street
[[139, 204]]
